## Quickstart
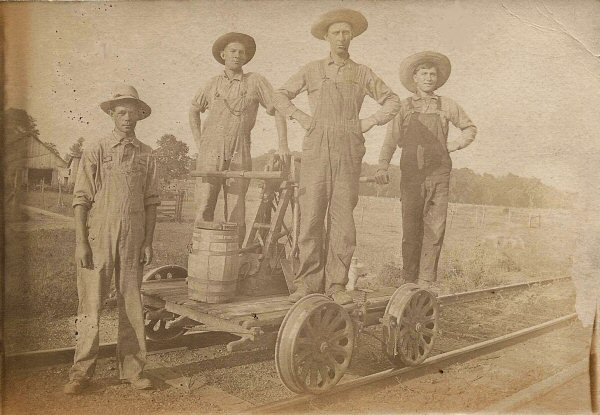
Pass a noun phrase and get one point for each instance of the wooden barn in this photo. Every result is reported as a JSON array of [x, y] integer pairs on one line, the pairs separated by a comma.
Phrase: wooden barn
[[29, 160]]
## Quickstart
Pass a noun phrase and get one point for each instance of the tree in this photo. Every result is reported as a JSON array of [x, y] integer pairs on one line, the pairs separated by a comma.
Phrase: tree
[[76, 149], [172, 158], [19, 125], [52, 147]]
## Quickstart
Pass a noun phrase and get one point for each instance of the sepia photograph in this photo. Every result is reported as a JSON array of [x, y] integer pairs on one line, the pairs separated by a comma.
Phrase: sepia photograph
[[271, 206]]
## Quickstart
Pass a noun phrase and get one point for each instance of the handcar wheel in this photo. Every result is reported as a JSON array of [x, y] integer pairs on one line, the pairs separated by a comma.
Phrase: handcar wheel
[[166, 272], [410, 325], [314, 345], [156, 329]]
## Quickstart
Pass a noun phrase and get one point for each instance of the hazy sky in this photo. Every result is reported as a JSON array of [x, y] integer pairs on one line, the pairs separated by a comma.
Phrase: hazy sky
[[523, 70]]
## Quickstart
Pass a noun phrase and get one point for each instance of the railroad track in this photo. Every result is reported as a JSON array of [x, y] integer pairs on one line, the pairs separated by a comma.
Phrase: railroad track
[[430, 365], [191, 340]]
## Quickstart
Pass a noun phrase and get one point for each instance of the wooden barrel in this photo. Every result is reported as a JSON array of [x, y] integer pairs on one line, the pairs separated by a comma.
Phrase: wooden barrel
[[213, 262]]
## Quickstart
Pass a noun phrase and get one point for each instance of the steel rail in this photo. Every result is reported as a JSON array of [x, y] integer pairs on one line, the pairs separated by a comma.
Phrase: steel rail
[[206, 339], [432, 364]]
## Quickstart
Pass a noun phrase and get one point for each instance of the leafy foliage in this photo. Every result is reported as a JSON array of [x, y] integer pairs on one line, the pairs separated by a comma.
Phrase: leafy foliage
[[52, 147], [18, 124], [172, 158], [76, 148]]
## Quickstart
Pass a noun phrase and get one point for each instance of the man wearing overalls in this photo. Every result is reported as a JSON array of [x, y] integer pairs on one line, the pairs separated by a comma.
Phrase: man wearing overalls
[[421, 130], [115, 199], [332, 152], [223, 143]]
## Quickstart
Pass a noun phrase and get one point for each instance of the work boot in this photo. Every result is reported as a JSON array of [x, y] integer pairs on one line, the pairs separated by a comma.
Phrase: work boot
[[339, 294], [139, 383], [76, 386], [298, 294]]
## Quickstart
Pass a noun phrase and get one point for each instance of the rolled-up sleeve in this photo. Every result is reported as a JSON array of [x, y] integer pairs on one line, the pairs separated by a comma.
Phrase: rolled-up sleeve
[[85, 181], [265, 94], [459, 118], [283, 96], [200, 101], [380, 92], [151, 196]]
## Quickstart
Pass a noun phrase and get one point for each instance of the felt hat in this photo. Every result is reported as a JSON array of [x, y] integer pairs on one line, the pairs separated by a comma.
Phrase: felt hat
[[355, 19], [222, 42], [408, 66], [126, 93]]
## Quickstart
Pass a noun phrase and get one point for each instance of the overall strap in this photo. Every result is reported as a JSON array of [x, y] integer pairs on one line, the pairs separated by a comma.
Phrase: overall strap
[[439, 103]]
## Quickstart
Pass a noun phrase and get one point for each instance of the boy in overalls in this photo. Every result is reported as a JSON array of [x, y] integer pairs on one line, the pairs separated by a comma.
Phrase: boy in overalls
[[421, 130]]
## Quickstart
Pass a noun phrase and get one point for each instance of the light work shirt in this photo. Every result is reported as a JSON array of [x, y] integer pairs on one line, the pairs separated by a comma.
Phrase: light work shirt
[[450, 112]]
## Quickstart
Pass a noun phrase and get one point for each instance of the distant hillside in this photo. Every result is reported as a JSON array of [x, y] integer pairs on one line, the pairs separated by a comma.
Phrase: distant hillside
[[466, 186]]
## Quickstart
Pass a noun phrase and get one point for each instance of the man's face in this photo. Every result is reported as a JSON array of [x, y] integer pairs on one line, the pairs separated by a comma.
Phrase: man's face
[[339, 36], [125, 115], [426, 79], [234, 56]]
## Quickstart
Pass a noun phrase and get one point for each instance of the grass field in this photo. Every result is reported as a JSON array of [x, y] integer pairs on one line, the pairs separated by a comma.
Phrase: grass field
[[41, 271]]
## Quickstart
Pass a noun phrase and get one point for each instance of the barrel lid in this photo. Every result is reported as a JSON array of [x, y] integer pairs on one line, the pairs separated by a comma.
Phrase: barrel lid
[[221, 226]]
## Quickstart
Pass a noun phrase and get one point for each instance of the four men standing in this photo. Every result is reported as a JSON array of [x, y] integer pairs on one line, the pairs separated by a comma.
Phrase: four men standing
[[116, 193]]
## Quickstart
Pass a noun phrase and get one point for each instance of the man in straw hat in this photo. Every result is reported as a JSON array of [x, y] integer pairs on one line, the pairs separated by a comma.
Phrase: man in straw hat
[[223, 142], [421, 130], [115, 199], [332, 152]]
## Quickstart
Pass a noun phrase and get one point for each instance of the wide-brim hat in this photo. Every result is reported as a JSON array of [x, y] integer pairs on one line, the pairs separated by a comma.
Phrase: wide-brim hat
[[222, 42], [408, 65], [355, 19], [126, 93]]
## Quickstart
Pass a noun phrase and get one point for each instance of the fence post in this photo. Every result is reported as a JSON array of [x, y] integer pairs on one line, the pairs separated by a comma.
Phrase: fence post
[[509, 219], [483, 217], [43, 199], [60, 200], [179, 206]]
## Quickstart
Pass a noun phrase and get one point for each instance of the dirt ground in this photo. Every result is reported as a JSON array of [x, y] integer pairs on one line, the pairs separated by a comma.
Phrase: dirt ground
[[212, 381]]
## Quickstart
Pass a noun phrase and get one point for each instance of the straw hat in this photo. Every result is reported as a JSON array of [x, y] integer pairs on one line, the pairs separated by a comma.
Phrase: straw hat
[[408, 66], [126, 93], [355, 19], [222, 42]]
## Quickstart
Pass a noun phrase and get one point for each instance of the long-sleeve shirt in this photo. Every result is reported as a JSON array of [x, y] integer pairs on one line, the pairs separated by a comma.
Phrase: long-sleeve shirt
[[450, 112], [309, 79], [116, 174]]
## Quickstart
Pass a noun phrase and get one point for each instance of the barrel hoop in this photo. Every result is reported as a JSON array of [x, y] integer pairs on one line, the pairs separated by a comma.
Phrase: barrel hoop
[[217, 253]]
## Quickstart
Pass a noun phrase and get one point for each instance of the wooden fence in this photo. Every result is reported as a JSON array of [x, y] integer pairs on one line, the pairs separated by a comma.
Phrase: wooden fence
[[171, 209]]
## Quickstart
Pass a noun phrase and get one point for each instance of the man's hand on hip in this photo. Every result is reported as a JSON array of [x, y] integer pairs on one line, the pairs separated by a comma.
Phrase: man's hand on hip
[[146, 254], [366, 124], [83, 255], [382, 176], [304, 119]]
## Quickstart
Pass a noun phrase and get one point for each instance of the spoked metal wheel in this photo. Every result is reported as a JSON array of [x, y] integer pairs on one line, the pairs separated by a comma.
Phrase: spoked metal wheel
[[410, 325], [314, 345], [156, 321], [166, 272]]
